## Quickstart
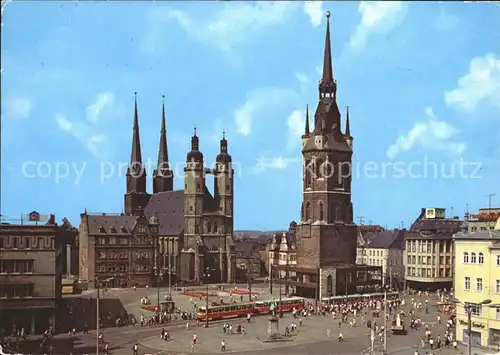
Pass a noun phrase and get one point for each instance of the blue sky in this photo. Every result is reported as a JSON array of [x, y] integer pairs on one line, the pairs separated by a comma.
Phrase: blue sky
[[422, 81]]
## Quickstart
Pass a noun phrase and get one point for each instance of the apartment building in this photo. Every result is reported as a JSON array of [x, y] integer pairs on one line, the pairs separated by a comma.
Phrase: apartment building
[[477, 279], [30, 274], [385, 249], [428, 254]]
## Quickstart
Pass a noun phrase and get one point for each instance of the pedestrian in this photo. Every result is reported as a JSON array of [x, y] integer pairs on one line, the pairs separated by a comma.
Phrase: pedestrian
[[223, 345], [135, 349], [341, 338]]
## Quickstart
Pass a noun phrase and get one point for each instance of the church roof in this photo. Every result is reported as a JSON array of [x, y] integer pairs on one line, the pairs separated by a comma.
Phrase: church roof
[[169, 208]]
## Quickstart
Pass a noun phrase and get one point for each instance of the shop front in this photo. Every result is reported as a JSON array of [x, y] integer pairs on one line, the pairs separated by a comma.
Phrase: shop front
[[478, 333], [494, 339]]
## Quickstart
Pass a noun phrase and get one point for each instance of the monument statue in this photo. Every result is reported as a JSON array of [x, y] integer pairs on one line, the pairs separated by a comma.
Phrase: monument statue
[[272, 307]]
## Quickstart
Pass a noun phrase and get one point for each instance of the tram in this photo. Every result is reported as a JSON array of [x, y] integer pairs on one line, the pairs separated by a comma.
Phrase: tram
[[379, 296], [286, 305], [235, 310]]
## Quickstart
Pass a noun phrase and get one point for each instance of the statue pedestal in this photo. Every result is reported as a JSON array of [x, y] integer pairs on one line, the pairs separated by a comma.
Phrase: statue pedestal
[[273, 331]]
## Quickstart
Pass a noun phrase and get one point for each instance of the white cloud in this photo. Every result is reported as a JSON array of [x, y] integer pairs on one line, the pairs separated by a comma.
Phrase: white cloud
[[64, 123], [85, 133], [276, 162], [226, 29], [17, 108], [431, 134], [257, 102], [103, 100], [377, 17], [88, 131], [296, 126], [314, 9], [481, 85]]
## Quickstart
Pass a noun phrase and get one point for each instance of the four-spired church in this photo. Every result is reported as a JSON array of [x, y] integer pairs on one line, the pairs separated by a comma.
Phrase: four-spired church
[[179, 235]]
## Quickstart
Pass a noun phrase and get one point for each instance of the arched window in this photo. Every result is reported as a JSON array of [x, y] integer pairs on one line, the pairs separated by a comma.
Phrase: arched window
[[308, 211], [337, 214], [302, 210], [481, 258], [473, 258], [321, 215], [466, 258]]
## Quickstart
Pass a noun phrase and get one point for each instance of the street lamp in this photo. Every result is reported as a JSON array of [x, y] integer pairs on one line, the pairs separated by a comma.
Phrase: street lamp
[[468, 309], [159, 275], [206, 275], [97, 284]]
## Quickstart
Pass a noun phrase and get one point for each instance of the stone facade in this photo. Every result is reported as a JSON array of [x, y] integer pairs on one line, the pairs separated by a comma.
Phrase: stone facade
[[31, 262], [326, 233], [193, 240]]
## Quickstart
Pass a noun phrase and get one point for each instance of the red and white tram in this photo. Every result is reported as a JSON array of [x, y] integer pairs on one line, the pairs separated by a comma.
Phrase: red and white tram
[[236, 310], [286, 305]]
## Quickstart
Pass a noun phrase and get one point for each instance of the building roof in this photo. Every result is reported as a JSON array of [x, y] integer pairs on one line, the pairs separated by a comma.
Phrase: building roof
[[388, 239], [169, 209], [433, 228], [111, 224], [481, 235]]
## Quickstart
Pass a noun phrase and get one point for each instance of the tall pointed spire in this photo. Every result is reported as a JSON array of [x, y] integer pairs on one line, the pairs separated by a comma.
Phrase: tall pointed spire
[[327, 86], [136, 156], [327, 58], [307, 131], [347, 124], [163, 149], [163, 176], [136, 197]]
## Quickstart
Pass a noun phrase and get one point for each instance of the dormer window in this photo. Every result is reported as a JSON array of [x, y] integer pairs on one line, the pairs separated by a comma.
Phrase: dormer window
[[102, 229], [113, 229], [123, 229]]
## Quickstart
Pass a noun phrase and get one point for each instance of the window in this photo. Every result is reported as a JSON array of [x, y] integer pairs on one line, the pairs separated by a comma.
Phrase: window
[[466, 258], [18, 291], [497, 286], [466, 283], [112, 241], [481, 258], [476, 309], [27, 266], [497, 313], [498, 260], [473, 258], [479, 284]]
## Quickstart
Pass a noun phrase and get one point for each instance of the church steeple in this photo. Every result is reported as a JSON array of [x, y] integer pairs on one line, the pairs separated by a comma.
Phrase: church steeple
[[347, 135], [195, 155], [347, 124], [136, 156], [327, 85], [327, 116], [307, 130], [136, 197], [163, 177]]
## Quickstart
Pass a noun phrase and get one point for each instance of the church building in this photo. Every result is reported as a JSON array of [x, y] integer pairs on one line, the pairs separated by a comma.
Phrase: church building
[[167, 236]]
